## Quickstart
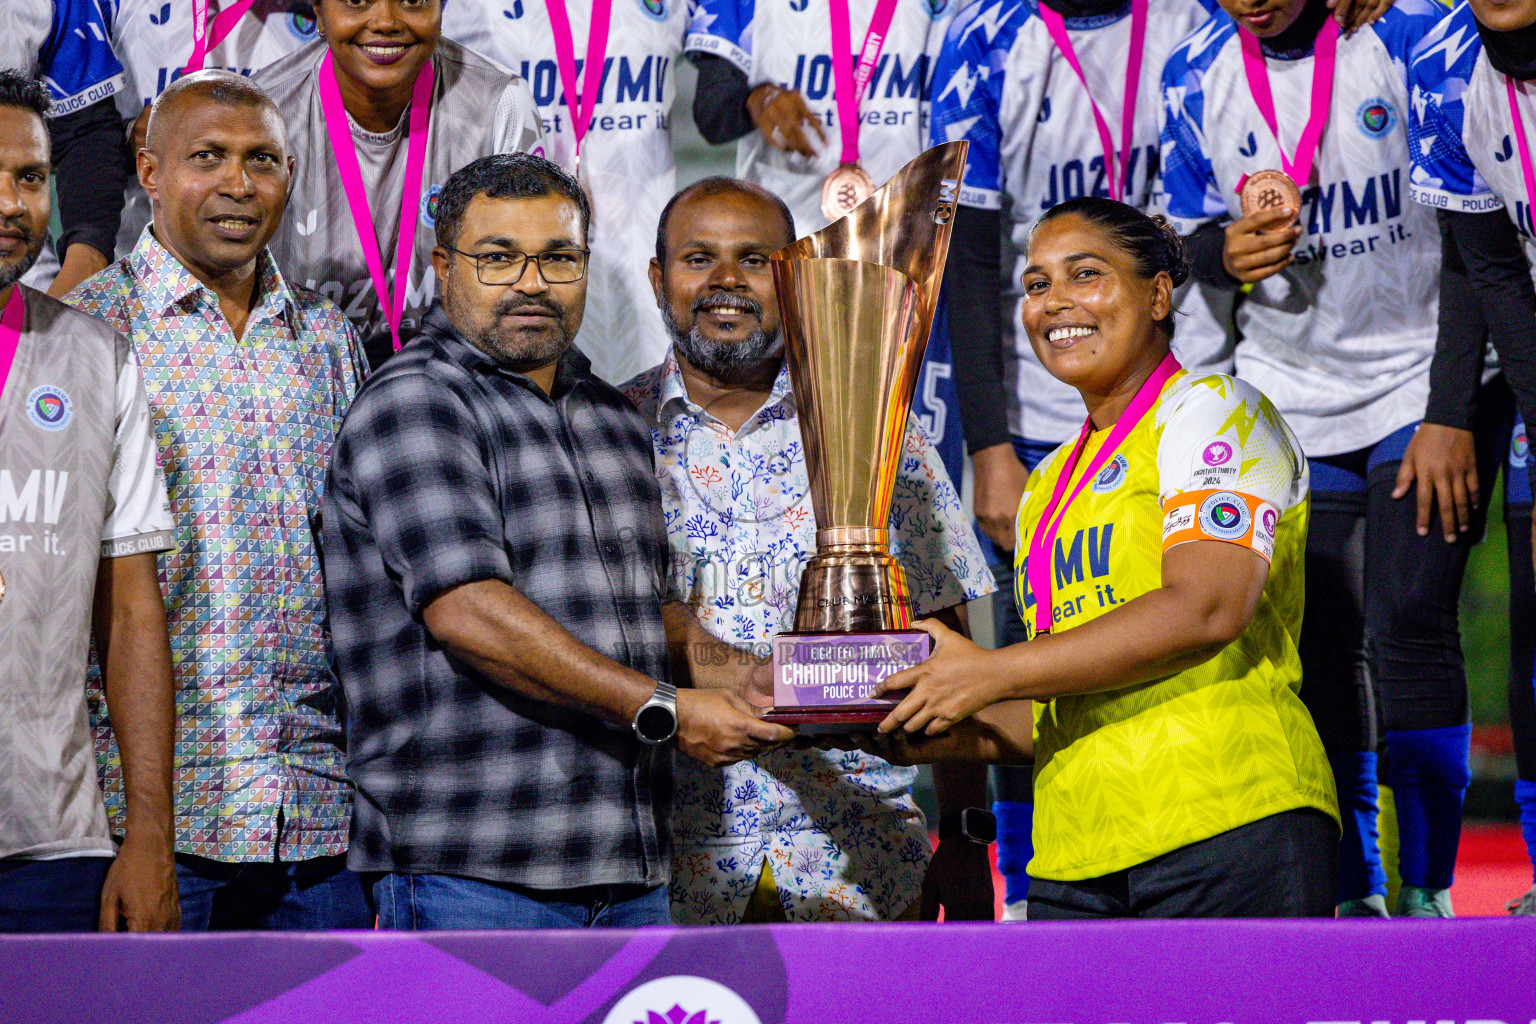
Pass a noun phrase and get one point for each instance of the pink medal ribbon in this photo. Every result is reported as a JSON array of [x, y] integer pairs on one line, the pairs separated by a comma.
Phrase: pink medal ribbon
[[1116, 170], [849, 83], [1524, 147], [205, 37], [1043, 542], [342, 148], [1298, 166], [11, 322], [582, 105]]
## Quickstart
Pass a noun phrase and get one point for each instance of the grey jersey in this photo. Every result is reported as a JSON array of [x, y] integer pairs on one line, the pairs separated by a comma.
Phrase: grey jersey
[[317, 245], [78, 482]]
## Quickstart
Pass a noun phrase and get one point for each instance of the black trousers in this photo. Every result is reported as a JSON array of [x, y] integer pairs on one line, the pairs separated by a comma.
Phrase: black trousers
[[1279, 866]]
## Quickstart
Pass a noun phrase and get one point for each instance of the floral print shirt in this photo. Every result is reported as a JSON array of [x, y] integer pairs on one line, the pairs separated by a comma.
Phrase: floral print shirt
[[840, 830]]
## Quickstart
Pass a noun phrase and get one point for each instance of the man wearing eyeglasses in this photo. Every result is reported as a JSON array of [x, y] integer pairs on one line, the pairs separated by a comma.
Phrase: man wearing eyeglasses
[[496, 566]]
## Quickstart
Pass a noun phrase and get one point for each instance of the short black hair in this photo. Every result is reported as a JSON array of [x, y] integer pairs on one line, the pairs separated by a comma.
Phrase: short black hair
[[715, 185], [24, 92], [505, 176], [1150, 241]]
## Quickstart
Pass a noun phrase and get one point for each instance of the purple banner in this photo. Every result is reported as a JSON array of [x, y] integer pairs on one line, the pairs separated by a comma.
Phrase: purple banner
[[814, 670], [1193, 972]]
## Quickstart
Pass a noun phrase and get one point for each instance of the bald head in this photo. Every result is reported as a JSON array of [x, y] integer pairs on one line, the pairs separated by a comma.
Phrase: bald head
[[213, 87], [216, 169]]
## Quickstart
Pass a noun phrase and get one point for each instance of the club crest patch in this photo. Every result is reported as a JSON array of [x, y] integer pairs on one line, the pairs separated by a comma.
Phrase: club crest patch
[[1224, 516], [1112, 475], [1376, 118], [429, 205], [49, 407]]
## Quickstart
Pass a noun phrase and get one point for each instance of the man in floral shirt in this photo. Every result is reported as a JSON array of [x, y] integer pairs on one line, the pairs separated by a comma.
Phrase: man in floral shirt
[[834, 835]]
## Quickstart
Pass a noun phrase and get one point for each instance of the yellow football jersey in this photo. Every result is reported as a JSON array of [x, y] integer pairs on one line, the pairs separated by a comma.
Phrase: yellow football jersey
[[1126, 775]]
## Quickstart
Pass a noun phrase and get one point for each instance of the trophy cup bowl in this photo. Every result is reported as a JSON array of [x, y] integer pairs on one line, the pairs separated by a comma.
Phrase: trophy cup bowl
[[857, 301]]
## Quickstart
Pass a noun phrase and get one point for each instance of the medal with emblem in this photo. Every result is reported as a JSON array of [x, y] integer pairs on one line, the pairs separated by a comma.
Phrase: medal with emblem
[[849, 185], [1269, 190], [1273, 189], [845, 188]]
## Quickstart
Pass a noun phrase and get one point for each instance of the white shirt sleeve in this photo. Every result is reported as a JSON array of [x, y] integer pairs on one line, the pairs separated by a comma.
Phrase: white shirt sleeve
[[24, 26], [1228, 465], [518, 128], [138, 509]]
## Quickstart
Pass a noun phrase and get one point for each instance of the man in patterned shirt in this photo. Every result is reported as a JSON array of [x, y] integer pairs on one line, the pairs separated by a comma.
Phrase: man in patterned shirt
[[248, 380], [802, 835]]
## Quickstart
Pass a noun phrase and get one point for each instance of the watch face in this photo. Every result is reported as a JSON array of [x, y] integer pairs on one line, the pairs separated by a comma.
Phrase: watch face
[[655, 723], [979, 826]]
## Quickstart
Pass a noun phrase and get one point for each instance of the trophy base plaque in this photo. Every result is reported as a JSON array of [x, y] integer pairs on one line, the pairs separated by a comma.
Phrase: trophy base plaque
[[825, 679]]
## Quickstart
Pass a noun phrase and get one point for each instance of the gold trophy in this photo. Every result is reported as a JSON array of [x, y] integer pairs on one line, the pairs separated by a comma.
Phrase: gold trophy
[[857, 300]]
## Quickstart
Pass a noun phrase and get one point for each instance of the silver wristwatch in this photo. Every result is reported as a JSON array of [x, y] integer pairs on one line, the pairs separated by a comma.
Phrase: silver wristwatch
[[656, 721]]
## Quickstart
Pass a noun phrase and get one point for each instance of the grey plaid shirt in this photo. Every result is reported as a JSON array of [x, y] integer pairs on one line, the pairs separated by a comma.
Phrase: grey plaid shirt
[[449, 470]]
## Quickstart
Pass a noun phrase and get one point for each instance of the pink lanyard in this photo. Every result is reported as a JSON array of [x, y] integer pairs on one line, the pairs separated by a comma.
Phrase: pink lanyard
[[11, 322], [205, 37], [1299, 166], [345, 152], [1117, 171], [583, 105], [1043, 542], [1526, 167], [848, 84]]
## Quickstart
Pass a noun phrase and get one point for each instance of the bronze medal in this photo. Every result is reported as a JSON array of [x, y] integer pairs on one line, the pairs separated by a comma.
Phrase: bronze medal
[[1269, 190], [2, 588], [845, 188]]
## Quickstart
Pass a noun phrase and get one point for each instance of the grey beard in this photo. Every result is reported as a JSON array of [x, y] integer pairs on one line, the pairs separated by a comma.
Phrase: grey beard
[[728, 361], [10, 274]]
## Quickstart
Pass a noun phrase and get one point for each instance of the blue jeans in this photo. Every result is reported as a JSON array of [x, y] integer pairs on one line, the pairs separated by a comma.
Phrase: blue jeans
[[51, 895], [446, 902], [285, 896]]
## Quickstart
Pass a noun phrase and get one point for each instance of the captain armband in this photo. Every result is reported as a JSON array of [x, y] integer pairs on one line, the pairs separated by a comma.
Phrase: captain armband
[[1229, 516]]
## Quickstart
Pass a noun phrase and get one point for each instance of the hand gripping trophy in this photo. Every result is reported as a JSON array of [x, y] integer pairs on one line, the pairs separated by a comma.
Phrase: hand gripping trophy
[[858, 299]]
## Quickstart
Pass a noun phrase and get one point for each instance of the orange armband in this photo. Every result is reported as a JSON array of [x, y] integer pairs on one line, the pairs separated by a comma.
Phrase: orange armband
[[1230, 516]]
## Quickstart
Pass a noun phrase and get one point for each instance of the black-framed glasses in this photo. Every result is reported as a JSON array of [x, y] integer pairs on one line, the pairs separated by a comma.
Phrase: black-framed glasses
[[506, 266]]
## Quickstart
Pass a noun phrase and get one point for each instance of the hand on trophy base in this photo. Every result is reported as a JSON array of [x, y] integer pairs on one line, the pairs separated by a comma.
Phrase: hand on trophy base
[[824, 681]]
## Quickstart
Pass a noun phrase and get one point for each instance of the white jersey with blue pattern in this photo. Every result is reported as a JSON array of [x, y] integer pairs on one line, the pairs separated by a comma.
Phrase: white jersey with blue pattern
[[1341, 339], [626, 158], [1001, 83], [65, 42], [789, 43], [1464, 156]]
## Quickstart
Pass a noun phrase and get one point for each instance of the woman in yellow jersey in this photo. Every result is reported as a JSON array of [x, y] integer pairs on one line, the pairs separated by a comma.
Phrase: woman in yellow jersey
[[1159, 571]]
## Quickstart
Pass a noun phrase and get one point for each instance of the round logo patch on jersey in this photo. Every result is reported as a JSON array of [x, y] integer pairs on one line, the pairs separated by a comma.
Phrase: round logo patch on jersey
[[1224, 516], [1267, 520], [302, 24], [1112, 475], [1217, 453], [1376, 118], [656, 10], [429, 205], [49, 407], [1519, 448]]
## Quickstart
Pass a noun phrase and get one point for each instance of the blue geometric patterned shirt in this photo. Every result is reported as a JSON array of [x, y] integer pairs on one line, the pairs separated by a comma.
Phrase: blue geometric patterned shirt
[[244, 429]]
